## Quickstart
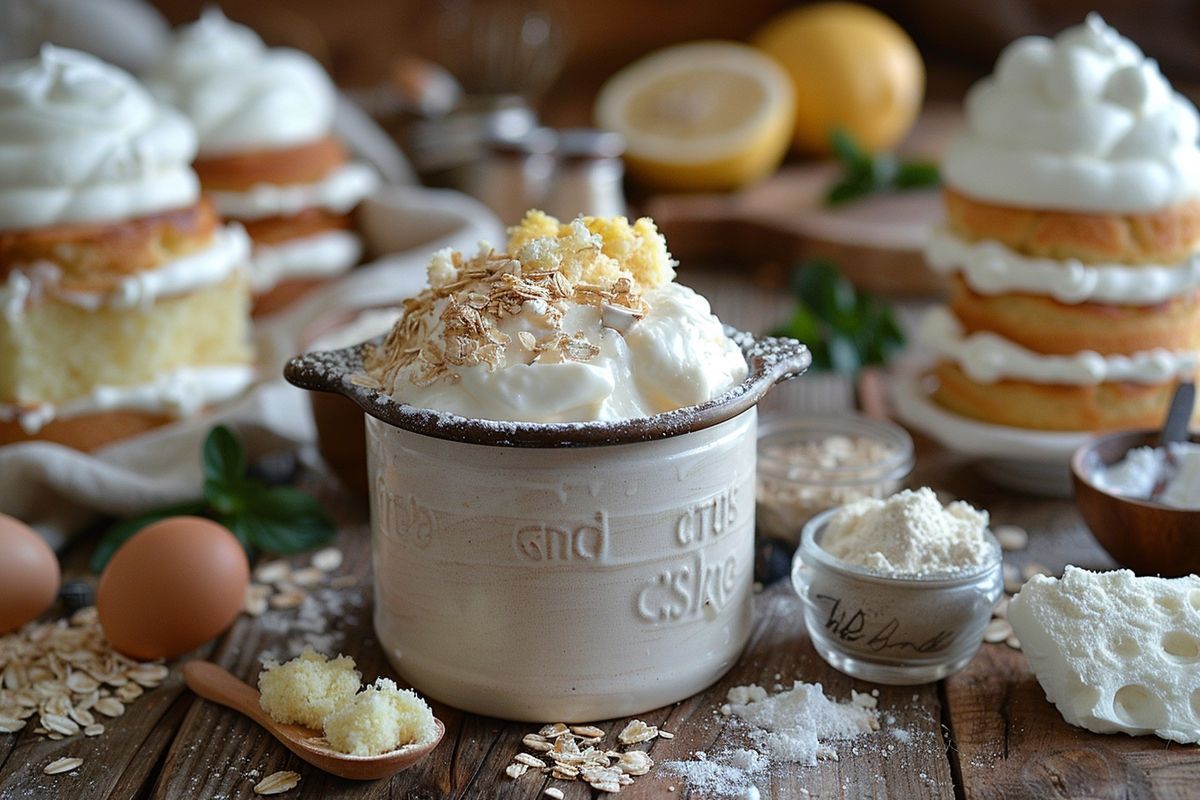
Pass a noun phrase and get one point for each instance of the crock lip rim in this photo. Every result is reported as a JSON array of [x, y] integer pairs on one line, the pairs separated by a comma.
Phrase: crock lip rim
[[770, 359]]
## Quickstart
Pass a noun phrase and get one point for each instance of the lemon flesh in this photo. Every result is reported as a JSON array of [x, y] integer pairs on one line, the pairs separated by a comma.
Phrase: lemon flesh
[[703, 116]]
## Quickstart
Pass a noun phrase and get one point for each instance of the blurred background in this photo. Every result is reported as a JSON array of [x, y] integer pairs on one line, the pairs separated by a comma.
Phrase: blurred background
[[359, 40]]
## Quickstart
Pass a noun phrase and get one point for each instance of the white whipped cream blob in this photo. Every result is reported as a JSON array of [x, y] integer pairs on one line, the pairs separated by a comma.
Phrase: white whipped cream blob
[[179, 393], [991, 268], [321, 255], [677, 356], [1081, 122], [209, 266], [986, 357], [82, 141], [339, 192], [240, 94]]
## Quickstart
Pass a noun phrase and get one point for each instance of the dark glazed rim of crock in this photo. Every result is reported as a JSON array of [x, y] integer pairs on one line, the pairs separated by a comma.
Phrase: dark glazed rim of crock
[[771, 360]]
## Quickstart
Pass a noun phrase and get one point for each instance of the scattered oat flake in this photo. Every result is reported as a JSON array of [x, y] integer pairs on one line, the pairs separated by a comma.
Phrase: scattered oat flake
[[997, 631], [515, 771], [666, 735], [1013, 642], [327, 559], [278, 783], [62, 765], [557, 794], [1011, 537], [587, 731], [93, 730], [272, 572], [634, 762], [529, 761], [637, 731]]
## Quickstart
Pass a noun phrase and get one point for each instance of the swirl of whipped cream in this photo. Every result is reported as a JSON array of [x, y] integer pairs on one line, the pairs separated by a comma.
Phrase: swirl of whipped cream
[[81, 141], [987, 358], [240, 94], [677, 356], [991, 268], [1081, 122]]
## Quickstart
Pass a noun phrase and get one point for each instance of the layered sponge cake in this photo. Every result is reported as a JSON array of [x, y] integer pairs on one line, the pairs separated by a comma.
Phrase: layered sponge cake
[[123, 298], [1071, 238], [268, 156]]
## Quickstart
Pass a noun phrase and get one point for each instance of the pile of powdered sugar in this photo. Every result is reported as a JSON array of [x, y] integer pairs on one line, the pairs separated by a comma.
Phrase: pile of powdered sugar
[[909, 533], [796, 725]]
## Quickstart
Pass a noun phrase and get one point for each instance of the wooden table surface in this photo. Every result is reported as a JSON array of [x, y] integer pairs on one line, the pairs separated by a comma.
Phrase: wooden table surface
[[987, 732]]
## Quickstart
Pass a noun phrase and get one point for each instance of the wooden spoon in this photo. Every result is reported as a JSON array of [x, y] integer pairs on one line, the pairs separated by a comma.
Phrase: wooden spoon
[[216, 684]]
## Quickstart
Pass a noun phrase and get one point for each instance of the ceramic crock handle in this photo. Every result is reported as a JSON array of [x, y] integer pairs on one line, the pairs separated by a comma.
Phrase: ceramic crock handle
[[782, 358]]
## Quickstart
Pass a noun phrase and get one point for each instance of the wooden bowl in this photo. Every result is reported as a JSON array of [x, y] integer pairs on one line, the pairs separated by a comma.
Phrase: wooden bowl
[[1146, 537]]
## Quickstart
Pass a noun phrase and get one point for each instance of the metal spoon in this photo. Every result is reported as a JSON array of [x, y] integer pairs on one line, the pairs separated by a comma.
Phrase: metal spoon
[[1175, 429], [217, 684]]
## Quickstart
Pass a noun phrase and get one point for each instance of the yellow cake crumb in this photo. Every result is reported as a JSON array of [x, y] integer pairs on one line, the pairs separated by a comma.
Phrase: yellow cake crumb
[[307, 689], [378, 719], [594, 250]]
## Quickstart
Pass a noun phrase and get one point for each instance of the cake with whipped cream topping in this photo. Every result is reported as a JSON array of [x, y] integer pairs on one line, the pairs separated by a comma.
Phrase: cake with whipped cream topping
[[572, 322], [268, 155], [1071, 240], [123, 298]]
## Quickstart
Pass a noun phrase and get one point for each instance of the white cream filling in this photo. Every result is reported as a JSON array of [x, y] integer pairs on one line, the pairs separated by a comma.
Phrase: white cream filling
[[324, 254], [987, 358], [338, 192], [1083, 122], [180, 393], [229, 250], [991, 268]]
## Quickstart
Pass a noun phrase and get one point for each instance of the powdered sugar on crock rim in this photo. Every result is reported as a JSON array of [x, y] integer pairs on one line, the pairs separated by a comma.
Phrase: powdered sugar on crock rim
[[772, 360]]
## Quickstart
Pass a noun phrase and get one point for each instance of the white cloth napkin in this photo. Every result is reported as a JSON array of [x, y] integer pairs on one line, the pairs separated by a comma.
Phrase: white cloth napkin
[[58, 490]]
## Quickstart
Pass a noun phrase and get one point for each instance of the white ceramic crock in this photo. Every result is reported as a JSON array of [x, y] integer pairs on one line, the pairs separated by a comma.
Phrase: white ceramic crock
[[562, 572]]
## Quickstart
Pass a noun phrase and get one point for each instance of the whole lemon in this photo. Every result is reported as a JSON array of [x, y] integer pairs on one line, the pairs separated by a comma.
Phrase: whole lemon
[[853, 68]]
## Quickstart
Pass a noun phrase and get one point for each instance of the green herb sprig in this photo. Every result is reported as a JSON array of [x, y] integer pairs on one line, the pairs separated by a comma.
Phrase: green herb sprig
[[844, 328], [277, 519], [866, 174]]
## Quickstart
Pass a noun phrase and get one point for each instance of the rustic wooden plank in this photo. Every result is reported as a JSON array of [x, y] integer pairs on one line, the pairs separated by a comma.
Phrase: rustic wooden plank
[[1013, 743]]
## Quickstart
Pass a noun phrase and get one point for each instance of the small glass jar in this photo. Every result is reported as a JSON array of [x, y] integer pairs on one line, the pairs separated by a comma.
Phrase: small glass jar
[[812, 463], [893, 629]]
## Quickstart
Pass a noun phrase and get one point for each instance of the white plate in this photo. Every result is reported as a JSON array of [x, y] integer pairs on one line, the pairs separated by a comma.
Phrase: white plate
[[1037, 462]]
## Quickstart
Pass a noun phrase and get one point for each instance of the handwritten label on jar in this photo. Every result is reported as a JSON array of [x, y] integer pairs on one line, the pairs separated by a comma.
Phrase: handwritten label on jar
[[881, 633]]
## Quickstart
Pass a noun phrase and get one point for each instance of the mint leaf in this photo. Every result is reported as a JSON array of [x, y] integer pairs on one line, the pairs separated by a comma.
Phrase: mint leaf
[[224, 457], [281, 519], [865, 174], [123, 531]]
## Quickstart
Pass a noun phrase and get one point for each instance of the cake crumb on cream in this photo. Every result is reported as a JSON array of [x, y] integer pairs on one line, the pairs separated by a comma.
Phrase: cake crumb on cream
[[308, 688]]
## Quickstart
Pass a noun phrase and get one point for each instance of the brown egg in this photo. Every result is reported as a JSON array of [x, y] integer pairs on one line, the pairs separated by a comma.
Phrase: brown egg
[[172, 587], [29, 574]]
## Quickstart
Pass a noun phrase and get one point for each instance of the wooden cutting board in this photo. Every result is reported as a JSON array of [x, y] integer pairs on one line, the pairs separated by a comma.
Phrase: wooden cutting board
[[877, 241]]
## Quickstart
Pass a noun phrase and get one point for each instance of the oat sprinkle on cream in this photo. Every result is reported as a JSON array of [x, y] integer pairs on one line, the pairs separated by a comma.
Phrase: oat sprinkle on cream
[[571, 322]]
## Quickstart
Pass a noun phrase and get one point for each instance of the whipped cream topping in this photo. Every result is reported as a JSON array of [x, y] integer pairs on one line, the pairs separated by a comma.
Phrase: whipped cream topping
[[578, 322], [229, 251], [991, 268], [82, 141], [240, 94], [986, 357], [1081, 122], [323, 254], [339, 192], [180, 393], [676, 356]]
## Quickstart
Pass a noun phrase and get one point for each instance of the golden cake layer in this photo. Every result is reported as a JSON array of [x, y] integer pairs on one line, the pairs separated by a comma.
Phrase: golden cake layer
[[53, 351], [309, 222], [1044, 325], [1167, 236], [86, 432], [95, 257], [237, 172], [1052, 407]]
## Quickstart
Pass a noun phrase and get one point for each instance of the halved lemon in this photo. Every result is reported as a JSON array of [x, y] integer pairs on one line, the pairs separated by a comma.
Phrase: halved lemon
[[702, 116]]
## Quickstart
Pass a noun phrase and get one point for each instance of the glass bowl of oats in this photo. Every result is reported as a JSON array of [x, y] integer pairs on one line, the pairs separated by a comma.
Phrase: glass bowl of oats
[[808, 464]]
